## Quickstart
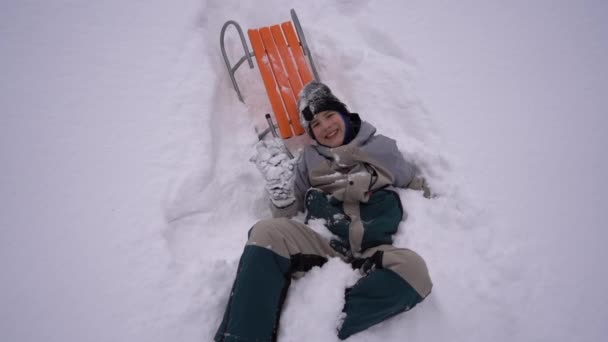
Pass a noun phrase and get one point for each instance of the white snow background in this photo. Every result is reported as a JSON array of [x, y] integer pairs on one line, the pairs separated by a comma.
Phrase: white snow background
[[126, 193]]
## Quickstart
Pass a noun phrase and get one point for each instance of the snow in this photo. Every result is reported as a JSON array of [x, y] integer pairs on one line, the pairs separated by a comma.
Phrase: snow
[[319, 225], [127, 191]]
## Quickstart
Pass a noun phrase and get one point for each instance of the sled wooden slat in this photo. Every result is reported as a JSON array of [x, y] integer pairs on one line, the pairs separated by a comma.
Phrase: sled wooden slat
[[280, 76], [295, 83], [268, 77], [283, 61], [297, 52], [288, 61]]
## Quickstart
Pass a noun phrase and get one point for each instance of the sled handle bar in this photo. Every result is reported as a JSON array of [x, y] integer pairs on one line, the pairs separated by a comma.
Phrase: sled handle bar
[[247, 56]]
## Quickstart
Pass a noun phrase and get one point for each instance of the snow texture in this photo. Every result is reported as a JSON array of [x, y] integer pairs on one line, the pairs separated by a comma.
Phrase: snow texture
[[272, 160], [127, 192], [319, 225], [314, 95]]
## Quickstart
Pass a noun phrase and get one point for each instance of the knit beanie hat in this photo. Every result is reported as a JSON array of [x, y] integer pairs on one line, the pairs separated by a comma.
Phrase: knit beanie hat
[[314, 98]]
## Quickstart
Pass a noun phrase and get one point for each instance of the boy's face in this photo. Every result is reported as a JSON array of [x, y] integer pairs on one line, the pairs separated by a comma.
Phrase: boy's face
[[328, 128]]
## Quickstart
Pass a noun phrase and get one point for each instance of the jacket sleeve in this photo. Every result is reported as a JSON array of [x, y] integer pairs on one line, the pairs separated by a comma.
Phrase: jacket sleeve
[[402, 170], [301, 184]]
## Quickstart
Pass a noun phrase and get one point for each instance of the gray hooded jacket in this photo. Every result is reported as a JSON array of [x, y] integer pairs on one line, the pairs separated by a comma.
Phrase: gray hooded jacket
[[350, 174]]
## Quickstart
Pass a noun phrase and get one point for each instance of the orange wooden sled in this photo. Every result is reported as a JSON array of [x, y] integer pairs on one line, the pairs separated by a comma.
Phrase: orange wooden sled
[[281, 59]]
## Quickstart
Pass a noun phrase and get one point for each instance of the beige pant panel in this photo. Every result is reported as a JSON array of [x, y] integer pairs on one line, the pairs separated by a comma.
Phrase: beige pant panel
[[288, 237], [407, 264]]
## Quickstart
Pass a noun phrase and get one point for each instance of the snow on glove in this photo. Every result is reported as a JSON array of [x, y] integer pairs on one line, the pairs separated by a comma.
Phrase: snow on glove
[[278, 170]]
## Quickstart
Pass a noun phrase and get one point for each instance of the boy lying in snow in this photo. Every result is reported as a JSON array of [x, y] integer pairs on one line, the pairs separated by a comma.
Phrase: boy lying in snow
[[347, 180]]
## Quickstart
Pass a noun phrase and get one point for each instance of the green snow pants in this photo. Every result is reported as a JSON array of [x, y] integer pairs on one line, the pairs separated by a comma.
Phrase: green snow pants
[[279, 248]]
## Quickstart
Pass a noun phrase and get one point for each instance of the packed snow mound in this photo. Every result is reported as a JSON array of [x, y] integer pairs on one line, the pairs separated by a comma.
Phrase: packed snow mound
[[212, 208], [127, 191]]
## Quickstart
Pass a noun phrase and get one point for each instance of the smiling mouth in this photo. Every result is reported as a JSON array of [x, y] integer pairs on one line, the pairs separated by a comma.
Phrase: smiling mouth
[[331, 134]]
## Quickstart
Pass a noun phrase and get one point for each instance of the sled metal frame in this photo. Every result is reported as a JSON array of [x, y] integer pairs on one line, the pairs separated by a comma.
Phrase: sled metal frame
[[282, 66]]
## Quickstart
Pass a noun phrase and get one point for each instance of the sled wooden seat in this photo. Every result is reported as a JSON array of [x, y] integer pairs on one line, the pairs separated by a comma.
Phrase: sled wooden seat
[[281, 59]]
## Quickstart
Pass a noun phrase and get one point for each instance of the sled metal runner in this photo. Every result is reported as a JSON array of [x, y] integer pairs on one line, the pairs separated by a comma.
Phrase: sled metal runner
[[281, 54]]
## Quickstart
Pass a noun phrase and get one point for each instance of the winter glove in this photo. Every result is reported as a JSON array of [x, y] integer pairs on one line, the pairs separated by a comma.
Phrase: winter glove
[[321, 206], [342, 247], [420, 184], [278, 170], [367, 265]]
